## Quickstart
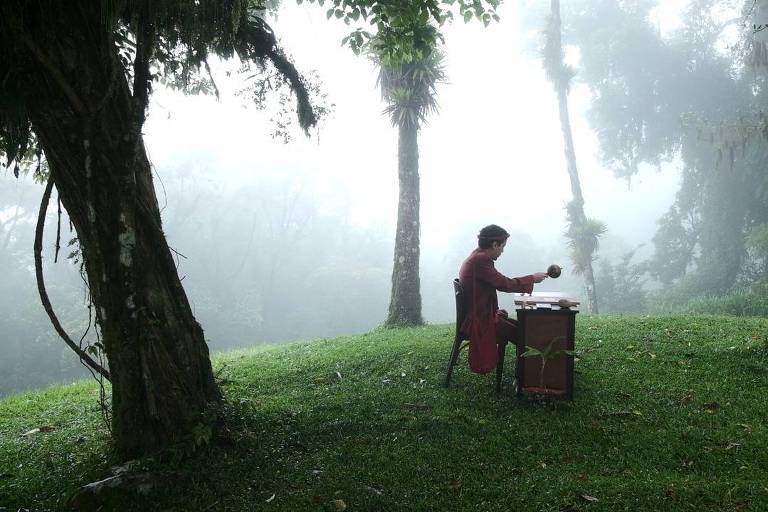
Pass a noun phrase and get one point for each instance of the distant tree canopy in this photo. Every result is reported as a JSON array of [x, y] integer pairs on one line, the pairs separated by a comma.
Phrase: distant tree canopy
[[683, 96]]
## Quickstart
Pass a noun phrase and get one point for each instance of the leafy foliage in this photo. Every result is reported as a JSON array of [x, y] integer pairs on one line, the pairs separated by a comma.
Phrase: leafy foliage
[[621, 285], [745, 302], [405, 31], [583, 238], [409, 88], [547, 354]]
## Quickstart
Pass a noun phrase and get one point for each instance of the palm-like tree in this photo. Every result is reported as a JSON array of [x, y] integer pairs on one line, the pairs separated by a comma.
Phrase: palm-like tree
[[583, 233], [409, 89]]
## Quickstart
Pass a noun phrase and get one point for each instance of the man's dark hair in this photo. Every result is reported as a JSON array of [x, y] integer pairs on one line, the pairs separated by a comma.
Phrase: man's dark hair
[[490, 234]]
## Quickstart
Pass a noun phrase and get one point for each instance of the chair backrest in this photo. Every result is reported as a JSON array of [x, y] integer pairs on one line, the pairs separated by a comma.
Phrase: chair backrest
[[460, 305]]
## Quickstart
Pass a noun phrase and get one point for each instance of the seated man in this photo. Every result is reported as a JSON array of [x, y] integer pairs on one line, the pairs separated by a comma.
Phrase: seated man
[[485, 323]]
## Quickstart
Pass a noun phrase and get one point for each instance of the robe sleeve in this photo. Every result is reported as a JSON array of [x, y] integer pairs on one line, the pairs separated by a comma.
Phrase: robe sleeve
[[485, 271]]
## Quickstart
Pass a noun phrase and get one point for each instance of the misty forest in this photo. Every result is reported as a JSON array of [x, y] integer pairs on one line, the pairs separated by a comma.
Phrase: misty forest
[[231, 222]]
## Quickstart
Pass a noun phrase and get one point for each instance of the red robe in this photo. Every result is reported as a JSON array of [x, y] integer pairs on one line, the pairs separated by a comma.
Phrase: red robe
[[480, 280]]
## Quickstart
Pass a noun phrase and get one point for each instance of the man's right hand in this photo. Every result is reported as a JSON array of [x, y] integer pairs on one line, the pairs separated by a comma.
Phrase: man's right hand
[[539, 277]]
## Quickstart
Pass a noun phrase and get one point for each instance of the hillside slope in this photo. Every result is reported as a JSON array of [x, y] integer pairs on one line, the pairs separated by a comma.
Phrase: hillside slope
[[668, 414]]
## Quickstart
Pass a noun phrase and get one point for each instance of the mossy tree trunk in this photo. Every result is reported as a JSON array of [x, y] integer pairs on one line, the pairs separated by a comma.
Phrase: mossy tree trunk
[[405, 301], [89, 125]]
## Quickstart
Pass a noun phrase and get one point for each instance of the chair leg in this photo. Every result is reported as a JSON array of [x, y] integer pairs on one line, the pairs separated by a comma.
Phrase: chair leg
[[454, 356], [500, 365]]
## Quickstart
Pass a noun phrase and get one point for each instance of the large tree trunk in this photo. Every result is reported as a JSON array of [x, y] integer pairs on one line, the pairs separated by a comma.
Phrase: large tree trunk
[[85, 118], [405, 301], [561, 87]]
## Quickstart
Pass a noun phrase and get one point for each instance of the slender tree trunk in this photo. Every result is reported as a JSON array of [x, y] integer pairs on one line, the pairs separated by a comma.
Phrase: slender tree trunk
[[84, 117], [405, 301], [561, 87]]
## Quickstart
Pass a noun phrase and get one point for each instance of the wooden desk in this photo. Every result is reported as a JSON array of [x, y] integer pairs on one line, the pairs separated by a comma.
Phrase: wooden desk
[[541, 323]]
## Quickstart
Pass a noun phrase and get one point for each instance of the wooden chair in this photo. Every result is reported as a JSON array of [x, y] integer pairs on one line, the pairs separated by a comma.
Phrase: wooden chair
[[461, 340], [458, 337]]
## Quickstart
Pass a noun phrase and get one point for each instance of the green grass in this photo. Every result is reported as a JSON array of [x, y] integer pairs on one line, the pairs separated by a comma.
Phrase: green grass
[[669, 413]]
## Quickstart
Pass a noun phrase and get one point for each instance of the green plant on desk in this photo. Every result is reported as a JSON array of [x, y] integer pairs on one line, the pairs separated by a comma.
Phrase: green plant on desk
[[546, 355]]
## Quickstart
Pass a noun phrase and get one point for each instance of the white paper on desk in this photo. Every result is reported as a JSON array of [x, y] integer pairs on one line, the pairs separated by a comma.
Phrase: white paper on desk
[[548, 298]]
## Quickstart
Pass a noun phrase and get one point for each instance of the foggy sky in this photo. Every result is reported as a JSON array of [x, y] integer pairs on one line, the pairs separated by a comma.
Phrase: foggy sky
[[492, 155]]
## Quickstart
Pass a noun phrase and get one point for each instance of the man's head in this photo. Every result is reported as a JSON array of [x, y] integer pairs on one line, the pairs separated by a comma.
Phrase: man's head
[[492, 239]]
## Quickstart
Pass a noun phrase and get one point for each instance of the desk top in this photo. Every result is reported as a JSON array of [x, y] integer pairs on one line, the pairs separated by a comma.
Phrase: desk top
[[548, 298]]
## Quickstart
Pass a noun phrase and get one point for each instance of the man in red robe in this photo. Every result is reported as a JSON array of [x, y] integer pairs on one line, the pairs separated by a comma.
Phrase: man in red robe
[[485, 324]]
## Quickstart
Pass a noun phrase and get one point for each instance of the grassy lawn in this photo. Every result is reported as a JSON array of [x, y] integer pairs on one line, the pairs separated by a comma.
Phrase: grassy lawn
[[669, 413]]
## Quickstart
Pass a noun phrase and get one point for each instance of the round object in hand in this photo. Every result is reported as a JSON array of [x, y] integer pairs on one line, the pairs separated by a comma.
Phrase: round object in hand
[[553, 271]]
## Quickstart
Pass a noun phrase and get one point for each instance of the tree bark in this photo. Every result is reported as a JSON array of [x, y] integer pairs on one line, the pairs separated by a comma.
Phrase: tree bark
[[84, 115], [405, 300], [561, 88]]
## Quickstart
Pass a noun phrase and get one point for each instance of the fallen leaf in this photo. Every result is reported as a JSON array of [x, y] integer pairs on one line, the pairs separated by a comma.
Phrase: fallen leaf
[[711, 407], [374, 490], [455, 484], [338, 374], [745, 426], [269, 500], [589, 498], [340, 505], [417, 405], [581, 476], [732, 445]]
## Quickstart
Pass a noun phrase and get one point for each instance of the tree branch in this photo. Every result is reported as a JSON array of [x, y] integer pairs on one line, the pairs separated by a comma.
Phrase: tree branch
[[55, 73], [58, 230], [210, 77], [84, 358], [256, 41], [141, 77]]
